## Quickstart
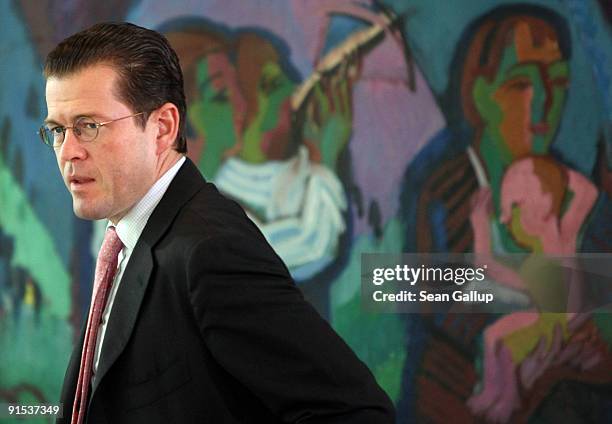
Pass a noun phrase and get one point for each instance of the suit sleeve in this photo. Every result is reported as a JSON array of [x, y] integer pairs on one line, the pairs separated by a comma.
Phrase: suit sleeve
[[258, 326]]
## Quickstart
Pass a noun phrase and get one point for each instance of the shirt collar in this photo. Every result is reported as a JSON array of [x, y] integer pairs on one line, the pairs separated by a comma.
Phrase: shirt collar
[[132, 224]]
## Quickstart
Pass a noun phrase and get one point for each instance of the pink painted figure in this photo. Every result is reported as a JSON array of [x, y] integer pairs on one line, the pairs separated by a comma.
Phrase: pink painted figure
[[544, 204]]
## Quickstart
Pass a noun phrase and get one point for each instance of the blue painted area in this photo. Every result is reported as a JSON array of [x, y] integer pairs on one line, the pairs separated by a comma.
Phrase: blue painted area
[[339, 27], [20, 70], [594, 36], [442, 146], [438, 215]]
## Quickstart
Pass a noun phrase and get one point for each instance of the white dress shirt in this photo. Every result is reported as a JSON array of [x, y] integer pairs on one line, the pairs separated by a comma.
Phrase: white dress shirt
[[129, 229]]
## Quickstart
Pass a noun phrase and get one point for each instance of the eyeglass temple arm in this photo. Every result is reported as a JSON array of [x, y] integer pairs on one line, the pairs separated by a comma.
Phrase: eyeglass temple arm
[[118, 119]]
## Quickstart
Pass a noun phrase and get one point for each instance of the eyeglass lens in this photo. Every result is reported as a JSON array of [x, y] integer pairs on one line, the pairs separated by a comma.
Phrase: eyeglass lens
[[86, 129]]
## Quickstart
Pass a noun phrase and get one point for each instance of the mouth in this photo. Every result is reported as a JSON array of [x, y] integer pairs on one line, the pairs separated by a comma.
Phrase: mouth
[[78, 183], [540, 129]]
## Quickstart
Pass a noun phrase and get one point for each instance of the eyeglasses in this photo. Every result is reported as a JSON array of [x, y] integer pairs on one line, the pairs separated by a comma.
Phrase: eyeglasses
[[85, 128]]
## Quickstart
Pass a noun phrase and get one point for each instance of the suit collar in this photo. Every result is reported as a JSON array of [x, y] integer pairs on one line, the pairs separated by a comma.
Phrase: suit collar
[[187, 182], [184, 186]]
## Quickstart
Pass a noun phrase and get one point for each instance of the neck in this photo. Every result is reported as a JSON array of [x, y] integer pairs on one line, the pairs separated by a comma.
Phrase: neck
[[166, 161]]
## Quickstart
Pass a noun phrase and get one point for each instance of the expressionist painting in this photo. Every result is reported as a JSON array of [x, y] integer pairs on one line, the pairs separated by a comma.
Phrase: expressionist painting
[[344, 128]]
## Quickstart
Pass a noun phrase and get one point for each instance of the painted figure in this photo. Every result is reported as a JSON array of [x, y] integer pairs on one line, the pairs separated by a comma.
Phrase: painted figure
[[512, 90], [533, 191], [505, 108], [239, 89]]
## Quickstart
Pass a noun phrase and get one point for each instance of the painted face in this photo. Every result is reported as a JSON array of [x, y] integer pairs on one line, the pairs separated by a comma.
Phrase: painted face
[[107, 176], [267, 134], [218, 108], [522, 107]]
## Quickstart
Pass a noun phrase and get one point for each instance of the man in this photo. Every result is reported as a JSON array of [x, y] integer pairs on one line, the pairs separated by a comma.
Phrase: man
[[196, 319]]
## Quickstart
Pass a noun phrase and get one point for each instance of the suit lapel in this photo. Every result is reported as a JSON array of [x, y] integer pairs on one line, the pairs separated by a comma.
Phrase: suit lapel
[[187, 182], [72, 375]]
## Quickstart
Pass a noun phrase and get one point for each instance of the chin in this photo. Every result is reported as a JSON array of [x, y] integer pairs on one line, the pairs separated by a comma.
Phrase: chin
[[83, 212]]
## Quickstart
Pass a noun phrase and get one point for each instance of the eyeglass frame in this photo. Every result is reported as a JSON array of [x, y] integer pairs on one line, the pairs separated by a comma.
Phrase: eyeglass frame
[[42, 129]]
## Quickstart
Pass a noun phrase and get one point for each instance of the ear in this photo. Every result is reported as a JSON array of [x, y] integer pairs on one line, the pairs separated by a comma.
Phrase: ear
[[166, 120]]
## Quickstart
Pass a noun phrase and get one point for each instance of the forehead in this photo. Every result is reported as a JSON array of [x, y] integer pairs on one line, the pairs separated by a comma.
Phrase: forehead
[[85, 92], [215, 67], [536, 43], [215, 73]]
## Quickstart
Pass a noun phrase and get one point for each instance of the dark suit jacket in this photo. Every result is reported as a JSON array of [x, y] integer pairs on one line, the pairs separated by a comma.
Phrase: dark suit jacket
[[208, 327]]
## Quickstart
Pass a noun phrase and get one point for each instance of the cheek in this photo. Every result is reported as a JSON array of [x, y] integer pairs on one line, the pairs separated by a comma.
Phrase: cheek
[[515, 106], [118, 169], [60, 163], [557, 102], [121, 179], [515, 126], [238, 109]]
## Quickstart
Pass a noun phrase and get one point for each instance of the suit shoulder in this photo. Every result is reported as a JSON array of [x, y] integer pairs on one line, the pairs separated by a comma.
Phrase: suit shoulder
[[211, 214]]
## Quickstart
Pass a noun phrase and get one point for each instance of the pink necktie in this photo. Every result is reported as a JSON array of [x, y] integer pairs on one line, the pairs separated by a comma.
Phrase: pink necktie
[[106, 267]]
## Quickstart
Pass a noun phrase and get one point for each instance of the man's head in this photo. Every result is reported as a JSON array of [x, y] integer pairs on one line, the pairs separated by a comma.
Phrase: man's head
[[100, 78], [149, 70]]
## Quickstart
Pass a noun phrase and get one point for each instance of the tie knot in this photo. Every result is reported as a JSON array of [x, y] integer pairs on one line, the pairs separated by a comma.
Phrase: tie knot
[[111, 246]]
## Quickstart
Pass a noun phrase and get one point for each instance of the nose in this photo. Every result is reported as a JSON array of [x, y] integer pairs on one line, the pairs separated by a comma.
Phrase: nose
[[539, 99], [542, 96], [71, 149]]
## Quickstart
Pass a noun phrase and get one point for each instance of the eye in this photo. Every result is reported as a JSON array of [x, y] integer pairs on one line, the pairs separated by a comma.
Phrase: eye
[[519, 84], [56, 130], [87, 125]]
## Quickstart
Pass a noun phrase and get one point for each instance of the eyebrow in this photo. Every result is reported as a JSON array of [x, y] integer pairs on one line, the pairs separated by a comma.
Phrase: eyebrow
[[50, 121], [92, 115]]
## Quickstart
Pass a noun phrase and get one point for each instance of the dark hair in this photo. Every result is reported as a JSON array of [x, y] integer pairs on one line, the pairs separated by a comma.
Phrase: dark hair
[[149, 70]]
